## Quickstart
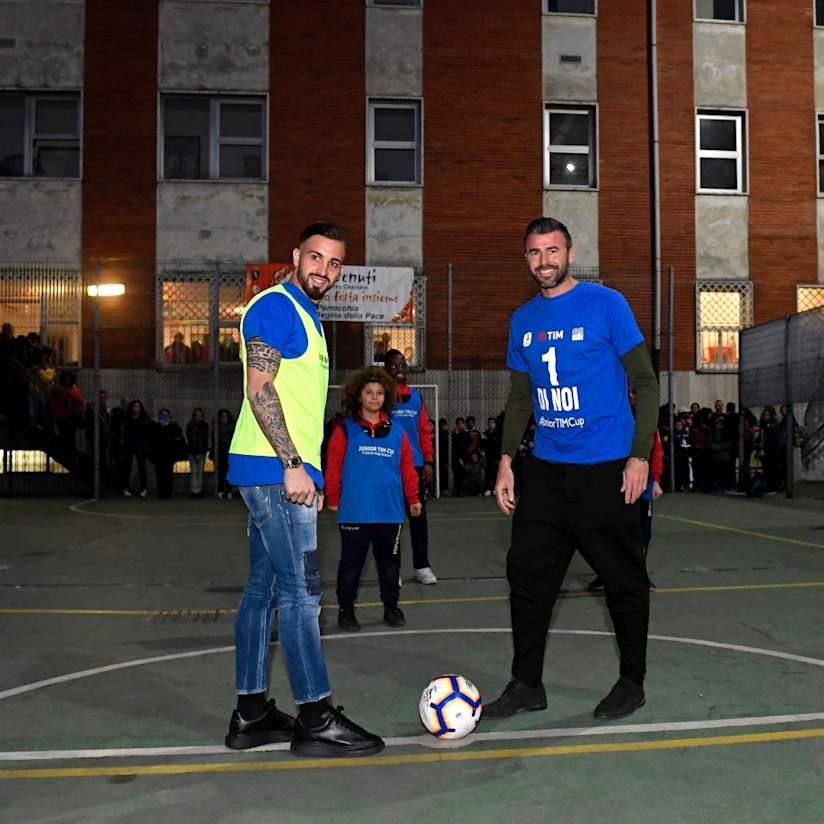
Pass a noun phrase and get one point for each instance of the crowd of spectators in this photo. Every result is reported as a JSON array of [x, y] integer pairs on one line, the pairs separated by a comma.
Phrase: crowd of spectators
[[45, 407], [707, 449]]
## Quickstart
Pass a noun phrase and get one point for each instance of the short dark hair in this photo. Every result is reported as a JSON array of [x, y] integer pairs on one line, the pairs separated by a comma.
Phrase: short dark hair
[[391, 353], [545, 226], [324, 228]]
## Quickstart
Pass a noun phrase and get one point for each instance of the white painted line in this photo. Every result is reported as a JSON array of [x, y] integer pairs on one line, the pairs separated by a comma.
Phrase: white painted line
[[139, 662], [76, 508], [428, 741]]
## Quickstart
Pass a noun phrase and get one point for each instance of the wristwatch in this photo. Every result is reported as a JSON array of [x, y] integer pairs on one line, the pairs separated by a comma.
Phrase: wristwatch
[[292, 463]]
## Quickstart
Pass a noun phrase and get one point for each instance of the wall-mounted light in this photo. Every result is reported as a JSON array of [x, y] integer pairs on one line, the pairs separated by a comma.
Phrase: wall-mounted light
[[570, 167], [106, 290]]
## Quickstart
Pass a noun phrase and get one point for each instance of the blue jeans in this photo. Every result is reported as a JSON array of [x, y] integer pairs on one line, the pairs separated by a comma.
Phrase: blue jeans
[[283, 576]]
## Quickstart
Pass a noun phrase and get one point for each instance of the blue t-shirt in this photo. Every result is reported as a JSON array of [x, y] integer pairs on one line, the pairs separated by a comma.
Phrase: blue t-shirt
[[571, 347], [274, 320], [406, 414]]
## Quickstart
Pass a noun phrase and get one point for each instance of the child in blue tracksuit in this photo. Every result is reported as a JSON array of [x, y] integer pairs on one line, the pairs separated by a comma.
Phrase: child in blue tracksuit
[[369, 471]]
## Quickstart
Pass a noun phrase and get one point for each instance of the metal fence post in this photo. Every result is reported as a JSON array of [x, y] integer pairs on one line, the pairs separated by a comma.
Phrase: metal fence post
[[96, 395], [448, 403], [789, 418], [670, 315]]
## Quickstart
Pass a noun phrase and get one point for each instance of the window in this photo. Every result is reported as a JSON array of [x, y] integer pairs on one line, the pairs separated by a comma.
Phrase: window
[[570, 6], [413, 3], [569, 146], [198, 301], [208, 138], [39, 135], [809, 297], [819, 12], [723, 309], [730, 10], [720, 163], [394, 141], [821, 152], [409, 338]]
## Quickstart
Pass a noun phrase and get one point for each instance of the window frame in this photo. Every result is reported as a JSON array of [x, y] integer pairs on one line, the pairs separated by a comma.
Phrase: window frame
[[739, 286], [591, 151], [388, 4], [215, 139], [818, 23], [813, 287], [819, 125], [594, 13], [414, 103], [741, 8], [739, 155], [30, 135]]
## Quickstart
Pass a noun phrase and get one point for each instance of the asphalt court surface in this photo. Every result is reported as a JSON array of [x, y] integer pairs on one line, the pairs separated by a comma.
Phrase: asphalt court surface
[[117, 680]]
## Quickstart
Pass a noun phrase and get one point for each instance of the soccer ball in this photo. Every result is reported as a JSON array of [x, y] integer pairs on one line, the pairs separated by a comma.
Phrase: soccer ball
[[450, 706]]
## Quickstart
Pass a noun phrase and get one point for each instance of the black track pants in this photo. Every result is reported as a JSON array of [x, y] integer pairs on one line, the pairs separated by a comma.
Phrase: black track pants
[[386, 546]]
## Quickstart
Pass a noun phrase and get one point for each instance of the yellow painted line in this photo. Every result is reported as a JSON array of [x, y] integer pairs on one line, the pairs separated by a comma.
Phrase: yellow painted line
[[428, 758], [480, 599], [741, 531]]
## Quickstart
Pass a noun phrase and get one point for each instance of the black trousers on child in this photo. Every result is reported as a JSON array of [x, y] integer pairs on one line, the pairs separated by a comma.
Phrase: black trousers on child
[[563, 507], [386, 547]]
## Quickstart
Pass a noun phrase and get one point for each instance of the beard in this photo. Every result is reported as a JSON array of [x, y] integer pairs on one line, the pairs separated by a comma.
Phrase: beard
[[314, 293], [559, 277]]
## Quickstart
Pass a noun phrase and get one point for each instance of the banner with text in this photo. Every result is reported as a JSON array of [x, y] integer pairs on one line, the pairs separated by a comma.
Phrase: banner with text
[[366, 294]]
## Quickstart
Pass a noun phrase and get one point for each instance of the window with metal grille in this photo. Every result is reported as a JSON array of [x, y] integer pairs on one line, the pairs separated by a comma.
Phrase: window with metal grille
[[210, 138], [721, 159], [723, 309], [394, 137], [821, 152], [809, 297], [40, 135], [570, 6], [731, 11], [44, 299], [407, 338], [200, 302], [569, 146]]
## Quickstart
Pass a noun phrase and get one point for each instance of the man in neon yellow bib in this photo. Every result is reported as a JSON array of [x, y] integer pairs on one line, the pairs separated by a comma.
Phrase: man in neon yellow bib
[[274, 460]]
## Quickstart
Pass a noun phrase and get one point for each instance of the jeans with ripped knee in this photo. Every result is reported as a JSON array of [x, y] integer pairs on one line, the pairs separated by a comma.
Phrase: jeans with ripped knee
[[283, 576]]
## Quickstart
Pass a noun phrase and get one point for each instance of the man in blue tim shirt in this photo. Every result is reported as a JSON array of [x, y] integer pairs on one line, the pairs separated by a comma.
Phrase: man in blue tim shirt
[[571, 350], [274, 460]]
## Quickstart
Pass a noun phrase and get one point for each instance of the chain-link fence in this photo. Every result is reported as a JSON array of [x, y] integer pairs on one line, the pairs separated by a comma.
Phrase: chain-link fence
[[782, 385]]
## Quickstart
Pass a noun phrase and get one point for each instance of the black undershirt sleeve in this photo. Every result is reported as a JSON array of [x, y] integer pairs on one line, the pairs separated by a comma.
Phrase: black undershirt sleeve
[[516, 412], [642, 379]]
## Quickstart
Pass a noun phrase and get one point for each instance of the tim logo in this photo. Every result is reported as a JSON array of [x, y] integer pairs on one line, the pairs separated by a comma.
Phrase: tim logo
[[578, 333]]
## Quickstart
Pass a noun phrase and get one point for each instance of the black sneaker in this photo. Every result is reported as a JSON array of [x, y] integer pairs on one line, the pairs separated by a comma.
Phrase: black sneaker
[[596, 584], [517, 697], [623, 699], [273, 726], [336, 736], [347, 620], [394, 616]]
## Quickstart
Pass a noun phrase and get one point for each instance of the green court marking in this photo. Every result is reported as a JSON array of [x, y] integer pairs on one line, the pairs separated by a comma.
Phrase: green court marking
[[738, 531], [427, 758]]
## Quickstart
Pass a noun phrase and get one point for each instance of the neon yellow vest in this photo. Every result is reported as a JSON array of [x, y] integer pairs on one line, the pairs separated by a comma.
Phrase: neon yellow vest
[[301, 385]]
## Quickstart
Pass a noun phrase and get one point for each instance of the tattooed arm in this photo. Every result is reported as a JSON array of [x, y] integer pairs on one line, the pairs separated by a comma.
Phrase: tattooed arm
[[262, 364]]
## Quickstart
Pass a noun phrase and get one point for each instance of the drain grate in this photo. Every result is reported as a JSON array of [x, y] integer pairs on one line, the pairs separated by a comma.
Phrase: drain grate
[[194, 616]]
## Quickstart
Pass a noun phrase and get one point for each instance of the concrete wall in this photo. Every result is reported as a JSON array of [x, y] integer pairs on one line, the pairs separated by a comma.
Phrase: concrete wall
[[215, 46], [394, 226], [818, 62], [221, 220], [48, 48], [394, 52], [570, 37], [721, 249], [719, 65], [703, 388], [40, 219], [579, 211]]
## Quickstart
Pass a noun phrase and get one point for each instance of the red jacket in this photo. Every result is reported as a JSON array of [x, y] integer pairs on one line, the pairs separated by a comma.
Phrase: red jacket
[[336, 453], [424, 427], [656, 457]]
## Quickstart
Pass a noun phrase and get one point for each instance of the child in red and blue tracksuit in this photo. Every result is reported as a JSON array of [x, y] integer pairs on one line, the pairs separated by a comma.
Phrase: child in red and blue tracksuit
[[370, 470]]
